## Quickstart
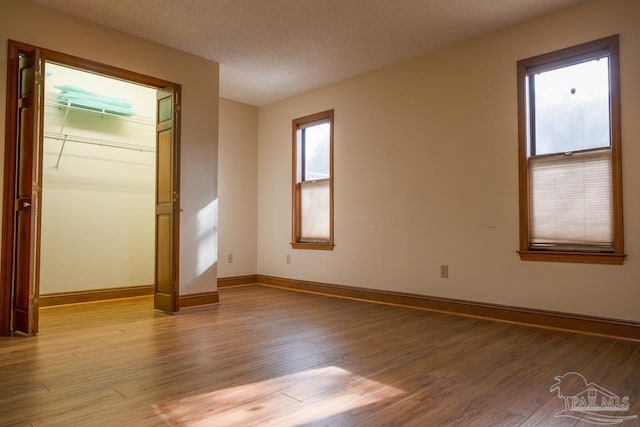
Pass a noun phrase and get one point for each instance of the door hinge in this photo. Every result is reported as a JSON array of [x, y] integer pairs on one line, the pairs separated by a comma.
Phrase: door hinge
[[38, 77]]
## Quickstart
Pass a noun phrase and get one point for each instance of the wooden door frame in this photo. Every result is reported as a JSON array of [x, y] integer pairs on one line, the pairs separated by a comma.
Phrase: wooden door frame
[[9, 192]]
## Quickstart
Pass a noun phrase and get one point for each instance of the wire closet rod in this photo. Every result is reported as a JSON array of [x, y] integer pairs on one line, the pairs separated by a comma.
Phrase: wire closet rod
[[100, 142], [95, 141]]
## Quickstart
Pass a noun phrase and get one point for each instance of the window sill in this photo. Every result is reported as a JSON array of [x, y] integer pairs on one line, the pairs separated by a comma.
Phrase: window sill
[[577, 257], [313, 246]]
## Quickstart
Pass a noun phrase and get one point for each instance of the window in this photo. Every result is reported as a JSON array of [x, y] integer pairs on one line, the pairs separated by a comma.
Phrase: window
[[569, 155], [313, 182]]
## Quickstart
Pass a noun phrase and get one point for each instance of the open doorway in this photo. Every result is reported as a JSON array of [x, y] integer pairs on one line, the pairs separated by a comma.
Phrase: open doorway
[[25, 157], [98, 187]]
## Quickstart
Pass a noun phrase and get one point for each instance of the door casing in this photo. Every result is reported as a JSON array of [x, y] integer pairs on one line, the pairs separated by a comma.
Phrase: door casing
[[9, 194]]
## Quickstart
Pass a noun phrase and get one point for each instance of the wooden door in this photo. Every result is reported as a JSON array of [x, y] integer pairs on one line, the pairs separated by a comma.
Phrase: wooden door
[[19, 266], [27, 190], [167, 202]]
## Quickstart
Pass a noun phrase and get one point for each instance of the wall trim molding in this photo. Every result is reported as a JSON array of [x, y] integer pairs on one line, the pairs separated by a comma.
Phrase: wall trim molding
[[592, 325], [224, 282], [91, 295], [202, 298]]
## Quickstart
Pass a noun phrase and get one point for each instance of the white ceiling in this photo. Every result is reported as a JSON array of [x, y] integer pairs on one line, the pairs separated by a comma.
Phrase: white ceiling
[[273, 49]]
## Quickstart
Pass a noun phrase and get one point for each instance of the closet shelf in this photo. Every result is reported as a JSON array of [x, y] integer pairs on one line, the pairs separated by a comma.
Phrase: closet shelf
[[61, 136], [53, 102]]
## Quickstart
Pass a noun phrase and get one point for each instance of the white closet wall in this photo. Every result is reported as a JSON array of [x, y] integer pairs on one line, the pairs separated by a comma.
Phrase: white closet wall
[[98, 201]]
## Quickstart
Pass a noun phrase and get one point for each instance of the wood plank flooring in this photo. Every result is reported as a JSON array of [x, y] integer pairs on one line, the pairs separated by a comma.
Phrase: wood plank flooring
[[271, 357]]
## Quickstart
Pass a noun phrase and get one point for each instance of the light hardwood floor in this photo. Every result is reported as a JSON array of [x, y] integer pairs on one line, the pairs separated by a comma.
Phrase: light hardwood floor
[[271, 357]]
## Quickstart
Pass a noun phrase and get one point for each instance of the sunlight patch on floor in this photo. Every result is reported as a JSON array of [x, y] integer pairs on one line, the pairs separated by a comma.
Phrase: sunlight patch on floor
[[291, 399]]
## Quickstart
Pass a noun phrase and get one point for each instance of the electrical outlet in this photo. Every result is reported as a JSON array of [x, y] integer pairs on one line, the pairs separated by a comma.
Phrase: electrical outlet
[[444, 271], [288, 259], [230, 258]]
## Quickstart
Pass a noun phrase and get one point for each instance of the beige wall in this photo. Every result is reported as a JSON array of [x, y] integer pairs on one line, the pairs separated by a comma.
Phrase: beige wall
[[237, 186], [29, 23], [426, 174]]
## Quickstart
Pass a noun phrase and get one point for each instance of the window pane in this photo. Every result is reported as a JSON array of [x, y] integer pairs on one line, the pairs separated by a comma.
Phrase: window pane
[[316, 152], [572, 107], [314, 211], [164, 109], [571, 200]]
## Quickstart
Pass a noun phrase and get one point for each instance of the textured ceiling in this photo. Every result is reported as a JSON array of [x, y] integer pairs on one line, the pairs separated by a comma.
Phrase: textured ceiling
[[272, 49]]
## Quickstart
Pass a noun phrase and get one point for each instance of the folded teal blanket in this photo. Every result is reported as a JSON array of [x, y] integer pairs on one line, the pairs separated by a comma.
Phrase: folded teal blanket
[[82, 98]]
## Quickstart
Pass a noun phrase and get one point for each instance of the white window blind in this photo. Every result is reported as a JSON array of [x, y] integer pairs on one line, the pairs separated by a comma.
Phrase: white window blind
[[571, 201], [315, 211]]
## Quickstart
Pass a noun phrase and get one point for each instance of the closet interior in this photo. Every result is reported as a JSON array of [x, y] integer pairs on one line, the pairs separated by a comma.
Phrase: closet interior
[[98, 183]]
